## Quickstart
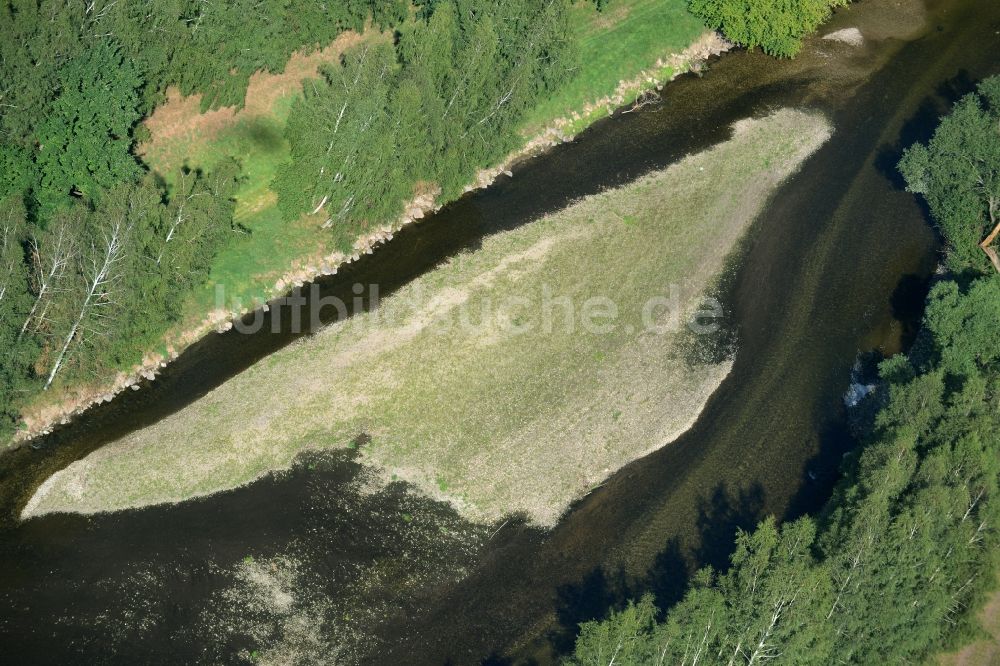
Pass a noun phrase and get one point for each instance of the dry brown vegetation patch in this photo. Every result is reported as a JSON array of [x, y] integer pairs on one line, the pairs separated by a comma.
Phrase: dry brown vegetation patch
[[180, 119]]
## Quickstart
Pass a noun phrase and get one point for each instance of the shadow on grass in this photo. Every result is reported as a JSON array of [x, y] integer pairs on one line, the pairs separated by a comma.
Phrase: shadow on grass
[[262, 134]]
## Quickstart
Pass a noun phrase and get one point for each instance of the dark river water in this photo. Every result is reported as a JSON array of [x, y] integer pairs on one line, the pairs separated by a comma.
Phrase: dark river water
[[336, 570]]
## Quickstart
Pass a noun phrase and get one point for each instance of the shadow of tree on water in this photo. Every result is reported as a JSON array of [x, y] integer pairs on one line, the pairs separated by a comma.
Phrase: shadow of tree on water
[[603, 590], [919, 128], [720, 517]]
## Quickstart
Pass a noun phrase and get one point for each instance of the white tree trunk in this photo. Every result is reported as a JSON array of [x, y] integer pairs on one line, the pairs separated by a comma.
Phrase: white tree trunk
[[50, 270], [10, 257], [99, 282]]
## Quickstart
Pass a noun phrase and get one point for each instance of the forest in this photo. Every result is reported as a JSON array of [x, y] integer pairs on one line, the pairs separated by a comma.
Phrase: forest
[[895, 566]]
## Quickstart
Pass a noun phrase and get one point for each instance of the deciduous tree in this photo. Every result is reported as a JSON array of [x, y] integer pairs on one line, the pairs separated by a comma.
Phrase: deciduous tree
[[84, 144], [958, 173], [777, 26]]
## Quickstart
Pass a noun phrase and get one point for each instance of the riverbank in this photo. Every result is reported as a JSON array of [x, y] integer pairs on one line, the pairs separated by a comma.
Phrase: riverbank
[[511, 410], [279, 256]]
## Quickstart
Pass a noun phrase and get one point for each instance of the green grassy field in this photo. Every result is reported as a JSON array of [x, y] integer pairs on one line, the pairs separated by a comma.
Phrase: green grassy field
[[469, 380], [270, 245], [265, 245]]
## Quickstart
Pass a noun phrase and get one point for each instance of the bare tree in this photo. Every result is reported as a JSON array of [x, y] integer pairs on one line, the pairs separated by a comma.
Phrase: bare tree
[[50, 260], [187, 193], [100, 278], [10, 255]]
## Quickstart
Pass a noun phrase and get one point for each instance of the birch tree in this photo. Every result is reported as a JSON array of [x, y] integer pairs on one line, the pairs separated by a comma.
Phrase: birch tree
[[99, 277], [775, 594], [184, 194], [52, 254], [12, 271], [622, 640], [343, 148], [198, 217]]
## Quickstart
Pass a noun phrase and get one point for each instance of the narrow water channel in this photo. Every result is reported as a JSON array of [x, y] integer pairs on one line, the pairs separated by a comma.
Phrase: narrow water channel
[[828, 271]]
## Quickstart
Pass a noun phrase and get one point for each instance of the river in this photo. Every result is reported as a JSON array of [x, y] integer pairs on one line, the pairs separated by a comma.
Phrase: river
[[837, 265]]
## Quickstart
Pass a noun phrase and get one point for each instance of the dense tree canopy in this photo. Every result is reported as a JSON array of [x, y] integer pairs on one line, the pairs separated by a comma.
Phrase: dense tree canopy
[[777, 26], [76, 76], [958, 173], [84, 143]]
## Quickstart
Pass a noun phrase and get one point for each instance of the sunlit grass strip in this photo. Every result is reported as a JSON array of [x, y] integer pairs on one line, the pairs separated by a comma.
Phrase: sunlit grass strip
[[492, 420], [626, 39]]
